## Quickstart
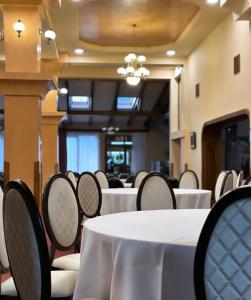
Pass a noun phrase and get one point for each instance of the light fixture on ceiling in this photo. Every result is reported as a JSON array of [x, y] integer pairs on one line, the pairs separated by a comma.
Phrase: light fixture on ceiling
[[48, 35], [79, 51], [63, 91], [134, 71], [19, 27], [110, 130], [212, 2], [170, 52]]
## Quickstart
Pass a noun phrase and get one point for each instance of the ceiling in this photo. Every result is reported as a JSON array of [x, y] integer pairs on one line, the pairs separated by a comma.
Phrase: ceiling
[[104, 28], [154, 96]]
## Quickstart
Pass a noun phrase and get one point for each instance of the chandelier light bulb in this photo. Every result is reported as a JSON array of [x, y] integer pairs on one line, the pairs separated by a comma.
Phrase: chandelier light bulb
[[141, 58], [132, 57], [129, 70], [132, 80], [19, 27], [121, 71], [147, 72], [137, 73]]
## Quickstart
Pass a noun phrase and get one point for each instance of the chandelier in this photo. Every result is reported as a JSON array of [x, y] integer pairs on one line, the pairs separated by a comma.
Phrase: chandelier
[[134, 71]]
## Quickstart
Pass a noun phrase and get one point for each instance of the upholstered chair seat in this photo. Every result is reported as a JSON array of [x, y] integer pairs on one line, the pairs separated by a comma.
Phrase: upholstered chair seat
[[67, 262], [62, 284]]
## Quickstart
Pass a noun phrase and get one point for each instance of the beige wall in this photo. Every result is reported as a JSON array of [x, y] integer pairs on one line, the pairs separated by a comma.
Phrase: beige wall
[[221, 92]]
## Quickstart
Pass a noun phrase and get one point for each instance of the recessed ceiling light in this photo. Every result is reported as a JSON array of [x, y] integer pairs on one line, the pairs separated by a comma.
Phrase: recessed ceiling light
[[79, 51], [211, 2], [170, 52], [76, 1]]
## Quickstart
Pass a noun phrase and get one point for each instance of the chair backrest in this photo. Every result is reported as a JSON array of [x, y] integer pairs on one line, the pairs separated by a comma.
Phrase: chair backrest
[[102, 179], [248, 181], [26, 243], [4, 262], [115, 183], [239, 181], [61, 212], [223, 184], [222, 258], [188, 180], [138, 178], [72, 177], [155, 192], [174, 182], [235, 176], [130, 179], [89, 195]]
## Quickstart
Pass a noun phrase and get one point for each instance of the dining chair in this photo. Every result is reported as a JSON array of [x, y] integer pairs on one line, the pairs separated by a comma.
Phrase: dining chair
[[239, 181], [222, 257], [223, 184], [247, 181], [89, 195], [235, 176], [102, 179], [7, 287], [188, 180], [28, 252], [140, 175], [72, 177], [61, 214], [155, 192], [115, 183]]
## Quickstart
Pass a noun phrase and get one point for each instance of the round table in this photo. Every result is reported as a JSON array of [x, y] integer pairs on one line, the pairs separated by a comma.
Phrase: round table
[[124, 199], [140, 255]]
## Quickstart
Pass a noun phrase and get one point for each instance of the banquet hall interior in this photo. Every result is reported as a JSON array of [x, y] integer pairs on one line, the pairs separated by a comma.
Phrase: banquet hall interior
[[103, 106]]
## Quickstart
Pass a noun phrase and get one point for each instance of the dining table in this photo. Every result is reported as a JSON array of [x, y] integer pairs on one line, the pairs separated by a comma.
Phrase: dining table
[[124, 199], [140, 255]]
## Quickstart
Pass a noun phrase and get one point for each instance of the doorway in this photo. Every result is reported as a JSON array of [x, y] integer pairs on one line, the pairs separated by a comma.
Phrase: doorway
[[225, 146]]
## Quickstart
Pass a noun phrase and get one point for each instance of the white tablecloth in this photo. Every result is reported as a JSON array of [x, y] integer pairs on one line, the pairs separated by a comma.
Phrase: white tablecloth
[[122, 200], [145, 255]]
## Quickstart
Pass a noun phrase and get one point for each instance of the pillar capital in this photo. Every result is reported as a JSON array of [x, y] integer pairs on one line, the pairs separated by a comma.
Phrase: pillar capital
[[26, 84]]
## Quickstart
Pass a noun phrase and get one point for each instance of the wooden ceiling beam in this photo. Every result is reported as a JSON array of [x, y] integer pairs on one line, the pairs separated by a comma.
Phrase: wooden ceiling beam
[[140, 96], [92, 101], [161, 95], [115, 99], [117, 113]]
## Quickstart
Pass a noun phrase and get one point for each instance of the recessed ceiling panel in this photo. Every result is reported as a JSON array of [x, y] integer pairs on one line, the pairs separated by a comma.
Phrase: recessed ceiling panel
[[158, 22]]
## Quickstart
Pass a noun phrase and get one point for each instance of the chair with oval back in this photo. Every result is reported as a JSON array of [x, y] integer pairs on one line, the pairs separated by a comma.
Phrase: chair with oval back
[[223, 184], [7, 287], [222, 257], [62, 220], [115, 183], [27, 250], [188, 180], [72, 177], [155, 192], [138, 178], [102, 179], [239, 181], [235, 176], [89, 195]]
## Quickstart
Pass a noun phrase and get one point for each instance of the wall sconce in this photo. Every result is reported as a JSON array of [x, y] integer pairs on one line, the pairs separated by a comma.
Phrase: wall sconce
[[49, 35], [19, 27]]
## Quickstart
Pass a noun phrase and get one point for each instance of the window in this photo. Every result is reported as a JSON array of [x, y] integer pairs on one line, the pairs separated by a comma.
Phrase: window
[[80, 102], [128, 103], [82, 152]]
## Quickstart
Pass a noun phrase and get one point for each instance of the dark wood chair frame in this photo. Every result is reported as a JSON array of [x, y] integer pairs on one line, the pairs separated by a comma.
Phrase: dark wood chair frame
[[206, 233], [154, 174]]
